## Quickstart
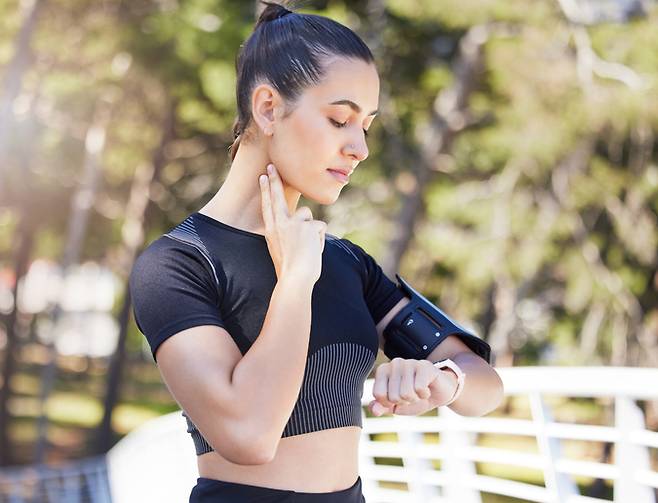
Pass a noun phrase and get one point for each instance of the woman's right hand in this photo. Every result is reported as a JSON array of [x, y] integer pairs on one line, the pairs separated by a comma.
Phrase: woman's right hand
[[295, 242]]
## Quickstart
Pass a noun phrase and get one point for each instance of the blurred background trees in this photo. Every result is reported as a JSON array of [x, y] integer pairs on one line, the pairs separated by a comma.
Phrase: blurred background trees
[[512, 177]]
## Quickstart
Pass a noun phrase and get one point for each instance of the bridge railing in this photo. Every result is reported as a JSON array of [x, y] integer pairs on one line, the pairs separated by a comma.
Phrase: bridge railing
[[458, 453], [80, 481], [157, 462]]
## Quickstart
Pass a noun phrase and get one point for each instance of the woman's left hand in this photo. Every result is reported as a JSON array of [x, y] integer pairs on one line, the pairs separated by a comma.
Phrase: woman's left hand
[[410, 387]]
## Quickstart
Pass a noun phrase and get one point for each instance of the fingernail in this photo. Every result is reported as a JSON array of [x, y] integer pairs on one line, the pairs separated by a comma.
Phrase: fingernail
[[270, 169], [262, 178]]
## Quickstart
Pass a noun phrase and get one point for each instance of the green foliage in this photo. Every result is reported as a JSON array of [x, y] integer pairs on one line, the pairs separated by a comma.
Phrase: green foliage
[[510, 202]]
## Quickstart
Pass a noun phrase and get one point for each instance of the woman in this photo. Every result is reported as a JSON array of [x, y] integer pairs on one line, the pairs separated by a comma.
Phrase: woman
[[271, 394]]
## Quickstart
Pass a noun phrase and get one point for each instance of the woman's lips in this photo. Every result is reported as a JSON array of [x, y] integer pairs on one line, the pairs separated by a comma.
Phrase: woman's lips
[[339, 176]]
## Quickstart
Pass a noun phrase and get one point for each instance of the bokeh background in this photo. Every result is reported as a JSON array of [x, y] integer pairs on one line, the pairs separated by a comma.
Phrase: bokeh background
[[512, 178]]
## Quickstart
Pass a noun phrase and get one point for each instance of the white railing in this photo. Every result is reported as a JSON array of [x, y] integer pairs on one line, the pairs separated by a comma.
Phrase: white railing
[[81, 481], [458, 480], [156, 462]]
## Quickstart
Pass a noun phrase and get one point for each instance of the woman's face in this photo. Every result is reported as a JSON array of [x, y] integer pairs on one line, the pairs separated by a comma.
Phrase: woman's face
[[327, 130]]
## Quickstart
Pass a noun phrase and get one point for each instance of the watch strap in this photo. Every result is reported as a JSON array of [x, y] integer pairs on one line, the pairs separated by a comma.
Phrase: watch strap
[[461, 377]]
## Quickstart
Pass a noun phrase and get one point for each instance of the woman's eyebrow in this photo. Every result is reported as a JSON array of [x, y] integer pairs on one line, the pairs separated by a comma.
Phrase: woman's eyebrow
[[352, 105]]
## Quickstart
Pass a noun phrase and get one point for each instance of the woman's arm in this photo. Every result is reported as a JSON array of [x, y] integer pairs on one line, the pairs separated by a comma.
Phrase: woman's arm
[[483, 389], [268, 378], [241, 404]]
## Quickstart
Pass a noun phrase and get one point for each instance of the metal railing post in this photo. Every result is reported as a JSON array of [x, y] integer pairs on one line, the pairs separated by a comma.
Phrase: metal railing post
[[457, 467], [629, 457], [560, 486]]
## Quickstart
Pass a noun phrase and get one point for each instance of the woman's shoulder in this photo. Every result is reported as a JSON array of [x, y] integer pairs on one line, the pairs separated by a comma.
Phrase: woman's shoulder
[[175, 252], [344, 246], [347, 247], [164, 248]]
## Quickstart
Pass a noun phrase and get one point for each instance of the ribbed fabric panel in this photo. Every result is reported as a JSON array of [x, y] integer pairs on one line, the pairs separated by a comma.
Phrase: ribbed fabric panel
[[200, 444], [185, 232], [330, 238], [330, 396]]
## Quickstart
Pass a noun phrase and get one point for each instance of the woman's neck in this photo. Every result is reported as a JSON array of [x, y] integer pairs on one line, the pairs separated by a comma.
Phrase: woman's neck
[[238, 200]]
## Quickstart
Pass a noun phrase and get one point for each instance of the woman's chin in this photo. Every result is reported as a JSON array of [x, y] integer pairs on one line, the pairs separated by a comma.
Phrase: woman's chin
[[324, 198]]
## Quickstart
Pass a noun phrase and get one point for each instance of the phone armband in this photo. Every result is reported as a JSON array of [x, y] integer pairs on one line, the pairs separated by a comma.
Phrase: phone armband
[[420, 326]]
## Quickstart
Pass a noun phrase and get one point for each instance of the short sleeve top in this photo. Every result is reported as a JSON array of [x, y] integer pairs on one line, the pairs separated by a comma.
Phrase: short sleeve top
[[205, 272]]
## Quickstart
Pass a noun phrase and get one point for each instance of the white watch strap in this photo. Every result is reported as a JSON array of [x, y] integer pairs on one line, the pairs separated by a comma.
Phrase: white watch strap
[[461, 377]]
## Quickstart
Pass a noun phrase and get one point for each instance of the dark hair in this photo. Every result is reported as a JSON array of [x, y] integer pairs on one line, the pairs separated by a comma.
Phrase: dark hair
[[288, 49]]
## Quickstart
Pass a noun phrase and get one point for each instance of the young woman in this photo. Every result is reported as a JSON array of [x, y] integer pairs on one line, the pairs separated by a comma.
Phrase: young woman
[[263, 325]]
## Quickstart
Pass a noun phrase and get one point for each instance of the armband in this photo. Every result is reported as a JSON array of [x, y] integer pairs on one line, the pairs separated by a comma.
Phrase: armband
[[420, 326]]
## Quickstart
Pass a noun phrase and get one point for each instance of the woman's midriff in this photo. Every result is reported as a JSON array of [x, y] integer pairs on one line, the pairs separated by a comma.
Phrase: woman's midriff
[[321, 461]]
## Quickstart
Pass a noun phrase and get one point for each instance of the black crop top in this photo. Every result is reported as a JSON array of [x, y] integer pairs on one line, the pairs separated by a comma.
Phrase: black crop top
[[205, 272]]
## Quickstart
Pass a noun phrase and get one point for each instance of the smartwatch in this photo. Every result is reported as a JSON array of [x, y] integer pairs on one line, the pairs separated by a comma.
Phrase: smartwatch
[[461, 377]]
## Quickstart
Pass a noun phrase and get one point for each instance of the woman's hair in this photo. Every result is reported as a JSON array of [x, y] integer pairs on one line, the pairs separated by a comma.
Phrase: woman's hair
[[288, 50]]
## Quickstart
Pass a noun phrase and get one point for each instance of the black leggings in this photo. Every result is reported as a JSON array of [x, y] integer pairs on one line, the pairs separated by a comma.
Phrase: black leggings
[[217, 491]]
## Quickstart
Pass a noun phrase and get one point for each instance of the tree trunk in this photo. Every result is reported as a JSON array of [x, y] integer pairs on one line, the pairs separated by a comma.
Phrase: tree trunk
[[80, 208], [133, 237], [13, 79], [448, 118], [396, 151], [25, 235]]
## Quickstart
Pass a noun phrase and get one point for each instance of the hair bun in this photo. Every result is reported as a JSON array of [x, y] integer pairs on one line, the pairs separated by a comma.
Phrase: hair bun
[[271, 12]]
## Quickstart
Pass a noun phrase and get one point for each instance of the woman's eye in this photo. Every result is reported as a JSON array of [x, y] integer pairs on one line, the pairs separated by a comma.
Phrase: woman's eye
[[338, 124], [343, 124]]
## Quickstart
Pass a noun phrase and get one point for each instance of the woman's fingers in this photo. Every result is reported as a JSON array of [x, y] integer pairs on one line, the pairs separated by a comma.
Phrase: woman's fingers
[[408, 384], [394, 387], [279, 205], [425, 374], [399, 368], [266, 203], [323, 233], [402, 383], [378, 409], [380, 387], [303, 213], [409, 387]]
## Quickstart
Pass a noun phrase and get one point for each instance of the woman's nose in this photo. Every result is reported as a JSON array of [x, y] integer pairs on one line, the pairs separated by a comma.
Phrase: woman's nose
[[358, 149]]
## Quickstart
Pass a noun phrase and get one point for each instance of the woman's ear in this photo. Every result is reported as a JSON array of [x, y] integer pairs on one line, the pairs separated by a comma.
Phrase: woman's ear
[[265, 100]]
